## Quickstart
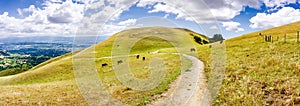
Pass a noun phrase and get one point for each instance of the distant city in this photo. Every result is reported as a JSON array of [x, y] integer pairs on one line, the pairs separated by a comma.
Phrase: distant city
[[26, 52]]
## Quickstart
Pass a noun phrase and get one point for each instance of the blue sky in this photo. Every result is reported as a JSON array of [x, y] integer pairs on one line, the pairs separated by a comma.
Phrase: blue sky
[[105, 17]]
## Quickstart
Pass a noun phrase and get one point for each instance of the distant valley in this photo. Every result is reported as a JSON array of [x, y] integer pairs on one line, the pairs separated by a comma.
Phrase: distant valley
[[26, 52]]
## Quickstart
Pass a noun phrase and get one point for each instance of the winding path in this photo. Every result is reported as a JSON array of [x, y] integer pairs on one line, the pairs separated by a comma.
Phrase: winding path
[[189, 89]]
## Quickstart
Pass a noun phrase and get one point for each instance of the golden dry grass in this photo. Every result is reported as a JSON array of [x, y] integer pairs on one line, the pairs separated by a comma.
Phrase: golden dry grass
[[53, 82], [259, 72]]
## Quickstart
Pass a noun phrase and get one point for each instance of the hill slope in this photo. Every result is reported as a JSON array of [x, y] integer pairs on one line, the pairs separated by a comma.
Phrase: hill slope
[[259, 72], [56, 77]]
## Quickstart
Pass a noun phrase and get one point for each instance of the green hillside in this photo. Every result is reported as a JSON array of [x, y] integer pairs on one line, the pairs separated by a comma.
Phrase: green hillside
[[53, 82], [259, 72]]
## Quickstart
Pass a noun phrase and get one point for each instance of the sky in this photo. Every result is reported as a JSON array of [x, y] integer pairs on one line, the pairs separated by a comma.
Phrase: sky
[[231, 18]]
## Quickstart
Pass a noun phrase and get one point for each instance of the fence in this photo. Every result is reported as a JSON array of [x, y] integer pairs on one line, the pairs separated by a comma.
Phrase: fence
[[270, 38]]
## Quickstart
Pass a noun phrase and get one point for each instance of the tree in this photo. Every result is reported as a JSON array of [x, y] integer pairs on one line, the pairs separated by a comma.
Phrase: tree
[[216, 38], [198, 40]]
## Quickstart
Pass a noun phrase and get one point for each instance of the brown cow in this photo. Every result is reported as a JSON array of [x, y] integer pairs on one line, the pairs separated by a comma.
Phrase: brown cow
[[105, 64], [144, 58], [193, 49], [120, 62]]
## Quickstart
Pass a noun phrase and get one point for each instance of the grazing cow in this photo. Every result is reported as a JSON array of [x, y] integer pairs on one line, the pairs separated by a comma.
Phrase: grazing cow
[[210, 46], [193, 49], [144, 58], [103, 65], [120, 62], [137, 56]]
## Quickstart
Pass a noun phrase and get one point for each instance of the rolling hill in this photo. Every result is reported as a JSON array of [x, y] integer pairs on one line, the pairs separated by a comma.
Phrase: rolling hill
[[53, 82], [259, 72]]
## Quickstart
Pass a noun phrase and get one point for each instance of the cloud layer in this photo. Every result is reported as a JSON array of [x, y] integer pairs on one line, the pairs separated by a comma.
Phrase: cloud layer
[[91, 17], [54, 18], [232, 26], [283, 16], [201, 11]]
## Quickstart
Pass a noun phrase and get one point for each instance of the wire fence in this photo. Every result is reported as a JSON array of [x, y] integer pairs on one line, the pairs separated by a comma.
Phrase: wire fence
[[282, 37]]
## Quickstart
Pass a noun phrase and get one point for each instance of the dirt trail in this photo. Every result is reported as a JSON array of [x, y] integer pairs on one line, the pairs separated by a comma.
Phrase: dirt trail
[[189, 89]]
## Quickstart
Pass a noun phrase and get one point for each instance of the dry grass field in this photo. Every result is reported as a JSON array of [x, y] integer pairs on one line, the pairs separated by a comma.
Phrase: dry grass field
[[53, 82], [259, 72]]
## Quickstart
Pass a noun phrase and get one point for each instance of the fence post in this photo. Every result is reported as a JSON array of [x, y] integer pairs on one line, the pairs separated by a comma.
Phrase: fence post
[[266, 38], [285, 37], [271, 39]]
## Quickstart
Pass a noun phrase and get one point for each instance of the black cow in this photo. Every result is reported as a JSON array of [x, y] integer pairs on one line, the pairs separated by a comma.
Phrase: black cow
[[104, 64], [221, 41], [137, 56], [193, 49], [210, 46], [144, 58], [120, 62]]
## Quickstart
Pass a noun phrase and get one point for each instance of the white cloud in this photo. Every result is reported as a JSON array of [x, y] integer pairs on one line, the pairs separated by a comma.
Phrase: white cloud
[[278, 3], [55, 0], [168, 9], [284, 16], [53, 19], [59, 17], [101, 14], [167, 15], [143, 3], [30, 9], [232, 26], [20, 12], [225, 10], [67, 12], [274, 5], [213, 27], [65, 17], [128, 22], [202, 12]]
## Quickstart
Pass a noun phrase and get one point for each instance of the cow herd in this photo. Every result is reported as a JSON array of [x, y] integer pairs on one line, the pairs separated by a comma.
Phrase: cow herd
[[138, 57], [121, 61]]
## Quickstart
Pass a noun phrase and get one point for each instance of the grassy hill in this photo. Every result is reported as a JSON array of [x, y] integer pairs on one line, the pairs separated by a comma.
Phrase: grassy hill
[[259, 72], [53, 82]]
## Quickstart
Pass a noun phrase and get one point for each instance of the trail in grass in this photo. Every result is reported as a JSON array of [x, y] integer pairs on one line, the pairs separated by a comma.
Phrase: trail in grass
[[189, 89]]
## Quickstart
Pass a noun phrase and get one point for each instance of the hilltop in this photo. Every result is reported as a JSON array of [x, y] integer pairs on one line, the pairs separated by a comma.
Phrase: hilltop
[[55, 77], [257, 72]]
